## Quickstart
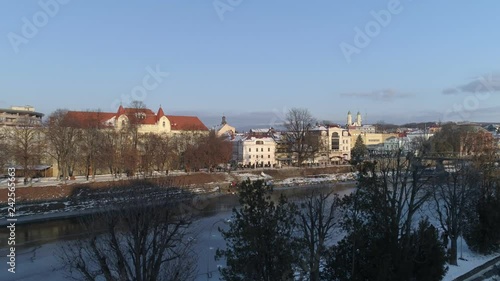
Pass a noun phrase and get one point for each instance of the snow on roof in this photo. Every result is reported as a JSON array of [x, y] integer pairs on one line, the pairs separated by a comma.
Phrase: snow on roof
[[319, 128], [260, 130]]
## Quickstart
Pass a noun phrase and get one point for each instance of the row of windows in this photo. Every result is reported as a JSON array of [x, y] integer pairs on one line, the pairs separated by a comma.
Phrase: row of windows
[[257, 156], [123, 123], [261, 150]]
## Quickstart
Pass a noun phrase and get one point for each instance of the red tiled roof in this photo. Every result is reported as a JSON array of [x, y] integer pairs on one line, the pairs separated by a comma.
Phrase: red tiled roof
[[89, 118], [186, 123], [160, 114], [120, 111], [149, 118], [182, 123]]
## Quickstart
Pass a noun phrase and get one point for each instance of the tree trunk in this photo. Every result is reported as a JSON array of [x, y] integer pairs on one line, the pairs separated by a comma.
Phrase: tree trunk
[[453, 251]]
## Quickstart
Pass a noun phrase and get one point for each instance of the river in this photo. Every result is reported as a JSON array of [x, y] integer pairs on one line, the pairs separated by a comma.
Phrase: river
[[37, 243]]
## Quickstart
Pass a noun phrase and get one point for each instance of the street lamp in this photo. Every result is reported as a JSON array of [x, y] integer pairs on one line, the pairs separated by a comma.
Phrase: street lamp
[[225, 221]]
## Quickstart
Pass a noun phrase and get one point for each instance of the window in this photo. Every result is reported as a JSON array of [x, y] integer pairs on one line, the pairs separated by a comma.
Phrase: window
[[268, 156], [269, 149], [262, 150], [335, 141], [250, 150], [163, 123], [259, 142]]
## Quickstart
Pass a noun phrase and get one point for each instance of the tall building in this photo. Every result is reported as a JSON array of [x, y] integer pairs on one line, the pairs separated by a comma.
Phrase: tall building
[[16, 115]]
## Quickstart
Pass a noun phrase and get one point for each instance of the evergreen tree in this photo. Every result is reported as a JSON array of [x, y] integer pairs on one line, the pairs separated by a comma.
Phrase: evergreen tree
[[359, 151], [429, 254], [380, 242], [482, 231], [260, 244]]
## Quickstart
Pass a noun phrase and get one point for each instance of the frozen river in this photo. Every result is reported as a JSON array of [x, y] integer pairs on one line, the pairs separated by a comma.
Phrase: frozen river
[[36, 257]]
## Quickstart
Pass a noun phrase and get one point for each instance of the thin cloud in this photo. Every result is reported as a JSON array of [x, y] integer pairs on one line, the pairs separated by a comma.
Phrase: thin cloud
[[450, 91], [482, 84], [384, 95]]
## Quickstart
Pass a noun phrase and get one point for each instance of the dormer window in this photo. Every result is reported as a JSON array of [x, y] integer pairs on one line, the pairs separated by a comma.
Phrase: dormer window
[[140, 115]]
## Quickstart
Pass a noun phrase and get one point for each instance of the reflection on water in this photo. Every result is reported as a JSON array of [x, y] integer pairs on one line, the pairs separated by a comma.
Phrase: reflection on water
[[34, 234]]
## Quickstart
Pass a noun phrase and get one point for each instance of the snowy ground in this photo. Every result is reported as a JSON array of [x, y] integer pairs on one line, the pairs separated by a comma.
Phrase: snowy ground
[[317, 179], [468, 262]]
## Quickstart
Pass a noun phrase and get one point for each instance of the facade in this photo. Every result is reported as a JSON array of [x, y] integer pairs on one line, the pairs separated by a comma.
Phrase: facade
[[251, 151], [340, 141], [145, 120], [224, 128], [284, 157], [334, 145], [20, 114], [395, 143], [371, 140]]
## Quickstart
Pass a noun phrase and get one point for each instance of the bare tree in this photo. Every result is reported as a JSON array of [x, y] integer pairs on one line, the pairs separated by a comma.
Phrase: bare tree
[[165, 153], [452, 192], [62, 133], [27, 145], [142, 238], [209, 152], [149, 147], [91, 141], [135, 119], [5, 155], [300, 139], [109, 150], [317, 220]]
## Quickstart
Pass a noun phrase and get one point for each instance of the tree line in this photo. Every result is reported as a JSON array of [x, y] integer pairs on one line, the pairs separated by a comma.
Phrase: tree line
[[89, 147]]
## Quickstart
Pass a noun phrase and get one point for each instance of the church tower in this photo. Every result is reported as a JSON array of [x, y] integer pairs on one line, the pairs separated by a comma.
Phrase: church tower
[[349, 118], [358, 119]]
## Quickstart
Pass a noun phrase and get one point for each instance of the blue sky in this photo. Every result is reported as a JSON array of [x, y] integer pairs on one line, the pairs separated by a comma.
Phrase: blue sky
[[256, 59]]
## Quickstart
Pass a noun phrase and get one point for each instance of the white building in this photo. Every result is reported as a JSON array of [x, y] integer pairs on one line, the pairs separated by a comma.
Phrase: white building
[[254, 151], [418, 135], [335, 145], [340, 144], [395, 143]]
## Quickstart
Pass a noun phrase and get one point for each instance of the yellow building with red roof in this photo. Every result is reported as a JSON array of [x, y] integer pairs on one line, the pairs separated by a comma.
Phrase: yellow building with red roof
[[145, 119]]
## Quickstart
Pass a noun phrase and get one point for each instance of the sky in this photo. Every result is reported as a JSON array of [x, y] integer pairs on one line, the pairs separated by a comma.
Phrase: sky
[[394, 61]]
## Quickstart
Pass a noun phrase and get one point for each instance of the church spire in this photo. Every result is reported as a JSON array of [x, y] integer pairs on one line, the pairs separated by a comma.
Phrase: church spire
[[159, 114]]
